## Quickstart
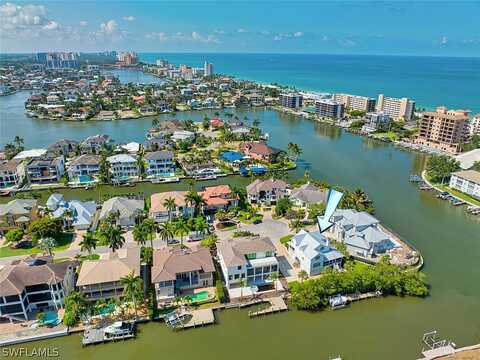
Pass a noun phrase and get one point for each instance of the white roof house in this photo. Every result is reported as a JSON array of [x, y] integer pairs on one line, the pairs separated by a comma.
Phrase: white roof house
[[131, 147], [361, 232], [468, 158], [313, 253], [182, 135], [127, 209], [30, 154]]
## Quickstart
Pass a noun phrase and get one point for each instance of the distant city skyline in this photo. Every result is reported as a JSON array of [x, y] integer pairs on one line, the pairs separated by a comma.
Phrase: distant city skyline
[[419, 28]]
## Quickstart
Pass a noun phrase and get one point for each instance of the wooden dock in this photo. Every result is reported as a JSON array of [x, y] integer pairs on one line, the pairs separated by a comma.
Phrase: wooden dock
[[200, 318], [276, 304], [92, 336], [356, 297]]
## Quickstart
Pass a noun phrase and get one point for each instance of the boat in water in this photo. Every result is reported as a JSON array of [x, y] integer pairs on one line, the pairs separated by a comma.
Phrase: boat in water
[[119, 329], [338, 301]]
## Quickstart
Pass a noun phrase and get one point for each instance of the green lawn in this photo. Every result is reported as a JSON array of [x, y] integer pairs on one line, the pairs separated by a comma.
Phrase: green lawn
[[63, 243], [391, 135], [285, 239]]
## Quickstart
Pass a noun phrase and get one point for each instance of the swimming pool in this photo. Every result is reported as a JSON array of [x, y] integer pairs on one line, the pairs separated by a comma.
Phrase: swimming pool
[[200, 296]]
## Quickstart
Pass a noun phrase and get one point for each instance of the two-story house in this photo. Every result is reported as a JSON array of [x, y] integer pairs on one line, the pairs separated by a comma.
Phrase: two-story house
[[179, 271], [218, 197], [160, 163], [94, 144], [45, 170], [160, 212], [123, 167], [249, 259], [83, 168], [12, 173], [266, 191], [34, 283], [18, 213]]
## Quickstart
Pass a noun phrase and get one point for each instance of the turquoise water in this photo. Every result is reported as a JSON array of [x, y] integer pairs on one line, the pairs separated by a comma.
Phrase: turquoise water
[[431, 81]]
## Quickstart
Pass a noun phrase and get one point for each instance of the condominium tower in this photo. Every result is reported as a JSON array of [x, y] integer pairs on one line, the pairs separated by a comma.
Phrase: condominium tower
[[354, 102], [443, 129], [329, 109], [398, 109], [292, 101]]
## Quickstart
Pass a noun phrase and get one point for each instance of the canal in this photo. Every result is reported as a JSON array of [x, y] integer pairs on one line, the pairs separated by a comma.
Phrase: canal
[[387, 328]]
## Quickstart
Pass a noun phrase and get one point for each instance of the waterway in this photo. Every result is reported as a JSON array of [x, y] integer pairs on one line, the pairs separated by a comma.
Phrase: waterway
[[387, 328]]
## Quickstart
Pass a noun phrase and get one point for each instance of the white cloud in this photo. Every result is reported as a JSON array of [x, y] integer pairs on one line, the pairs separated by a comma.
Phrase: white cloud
[[83, 23], [194, 36], [242, 30], [109, 28], [15, 18], [160, 36], [444, 40], [298, 34], [277, 37], [129, 18], [52, 25], [219, 31]]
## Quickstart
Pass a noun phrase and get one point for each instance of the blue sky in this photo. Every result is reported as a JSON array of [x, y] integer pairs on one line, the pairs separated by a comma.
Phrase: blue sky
[[444, 28]]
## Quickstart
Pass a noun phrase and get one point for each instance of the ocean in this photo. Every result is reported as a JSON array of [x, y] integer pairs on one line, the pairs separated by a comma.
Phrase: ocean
[[430, 81]]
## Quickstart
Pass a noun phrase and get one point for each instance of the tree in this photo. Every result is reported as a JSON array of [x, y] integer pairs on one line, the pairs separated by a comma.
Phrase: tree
[[139, 234], [114, 237], [476, 166], [75, 307], [181, 229], [358, 200], [170, 205], [210, 242], [302, 275], [242, 284], [149, 227], [296, 225], [44, 227], [166, 232], [89, 242], [14, 236], [200, 225], [194, 200], [47, 245], [132, 288], [141, 163], [274, 277], [104, 169], [283, 205], [294, 150], [18, 141], [440, 167]]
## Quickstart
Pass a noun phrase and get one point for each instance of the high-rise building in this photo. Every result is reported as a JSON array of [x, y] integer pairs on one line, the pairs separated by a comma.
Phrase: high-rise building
[[293, 101], [329, 108], [398, 109], [128, 58], [58, 60], [354, 102], [475, 125], [443, 129], [207, 69], [375, 121]]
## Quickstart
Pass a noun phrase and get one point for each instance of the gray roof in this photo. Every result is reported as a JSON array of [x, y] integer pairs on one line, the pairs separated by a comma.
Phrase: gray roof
[[85, 159], [126, 207], [309, 193], [312, 244], [159, 155], [234, 250], [266, 185], [17, 207]]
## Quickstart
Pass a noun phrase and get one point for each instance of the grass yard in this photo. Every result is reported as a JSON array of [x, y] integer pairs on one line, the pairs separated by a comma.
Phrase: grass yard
[[459, 194], [63, 243]]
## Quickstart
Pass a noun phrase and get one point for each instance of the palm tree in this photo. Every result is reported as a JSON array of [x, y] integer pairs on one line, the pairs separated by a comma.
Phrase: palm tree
[[89, 242], [166, 232], [181, 229], [296, 225], [132, 288], [115, 237], [47, 244], [302, 275], [295, 150], [170, 205], [242, 283], [194, 200], [149, 227], [104, 169], [139, 234], [200, 225], [141, 163]]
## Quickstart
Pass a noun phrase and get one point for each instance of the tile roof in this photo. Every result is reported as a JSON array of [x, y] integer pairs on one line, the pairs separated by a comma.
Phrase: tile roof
[[158, 199], [470, 175], [266, 185], [234, 251]]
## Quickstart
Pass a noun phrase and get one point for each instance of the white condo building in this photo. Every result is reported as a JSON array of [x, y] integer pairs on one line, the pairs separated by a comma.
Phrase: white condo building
[[354, 102], [397, 108]]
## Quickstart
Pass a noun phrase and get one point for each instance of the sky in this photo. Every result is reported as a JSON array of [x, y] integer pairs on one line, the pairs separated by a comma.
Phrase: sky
[[424, 28]]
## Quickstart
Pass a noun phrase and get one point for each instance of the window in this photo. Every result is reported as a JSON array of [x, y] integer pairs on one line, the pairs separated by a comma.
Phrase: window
[[230, 277], [243, 276], [237, 276], [239, 267], [266, 269], [249, 272], [251, 256], [274, 268], [269, 253]]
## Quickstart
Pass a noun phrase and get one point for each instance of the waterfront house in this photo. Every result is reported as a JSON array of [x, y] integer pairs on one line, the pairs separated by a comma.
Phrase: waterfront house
[[156, 143], [83, 168], [467, 181], [34, 283], [93, 144], [63, 147], [128, 210], [313, 253], [266, 191], [160, 213], [308, 194], [182, 135], [259, 151], [361, 232], [30, 154], [17, 213], [45, 170], [12, 173], [74, 213], [123, 167], [101, 279], [178, 271], [160, 163], [218, 197], [251, 259]]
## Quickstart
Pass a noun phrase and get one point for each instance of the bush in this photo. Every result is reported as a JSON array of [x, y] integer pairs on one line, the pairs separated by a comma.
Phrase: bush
[[285, 239], [244, 233], [389, 279], [220, 291], [283, 205], [14, 236]]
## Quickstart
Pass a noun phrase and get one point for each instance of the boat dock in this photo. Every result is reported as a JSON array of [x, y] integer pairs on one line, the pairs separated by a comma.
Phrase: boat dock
[[92, 336], [276, 304], [200, 317], [356, 297]]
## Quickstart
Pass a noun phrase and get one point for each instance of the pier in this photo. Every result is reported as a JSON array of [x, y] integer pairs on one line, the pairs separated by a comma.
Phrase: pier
[[276, 304], [356, 297], [198, 318], [92, 336]]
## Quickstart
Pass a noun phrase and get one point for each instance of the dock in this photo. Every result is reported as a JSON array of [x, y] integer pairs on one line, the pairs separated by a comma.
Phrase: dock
[[92, 336], [356, 297], [198, 318], [276, 304]]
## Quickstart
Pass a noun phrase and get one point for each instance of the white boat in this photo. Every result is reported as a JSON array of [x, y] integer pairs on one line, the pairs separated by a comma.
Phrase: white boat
[[119, 328], [337, 301], [177, 317]]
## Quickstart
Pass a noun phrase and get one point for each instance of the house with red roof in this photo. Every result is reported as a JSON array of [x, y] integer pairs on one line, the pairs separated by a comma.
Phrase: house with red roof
[[259, 151], [216, 123], [219, 197]]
